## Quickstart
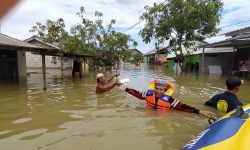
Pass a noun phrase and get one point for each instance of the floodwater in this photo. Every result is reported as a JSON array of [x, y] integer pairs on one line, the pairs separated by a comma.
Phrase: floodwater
[[69, 115]]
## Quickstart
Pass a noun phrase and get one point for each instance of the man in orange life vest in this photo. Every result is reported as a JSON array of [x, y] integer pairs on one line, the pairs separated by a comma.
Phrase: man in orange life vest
[[160, 97]]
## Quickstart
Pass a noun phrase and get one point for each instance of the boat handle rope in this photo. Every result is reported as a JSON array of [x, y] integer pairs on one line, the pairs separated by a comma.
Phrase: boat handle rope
[[212, 119]]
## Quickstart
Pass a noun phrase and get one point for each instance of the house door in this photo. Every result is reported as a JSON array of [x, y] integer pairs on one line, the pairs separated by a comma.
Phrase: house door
[[8, 66]]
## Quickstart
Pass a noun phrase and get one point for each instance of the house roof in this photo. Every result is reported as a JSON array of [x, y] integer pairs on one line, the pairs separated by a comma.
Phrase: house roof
[[231, 42], [150, 52], [207, 51], [39, 42], [7, 41], [10, 43], [52, 49], [134, 50], [154, 51], [237, 32], [218, 50]]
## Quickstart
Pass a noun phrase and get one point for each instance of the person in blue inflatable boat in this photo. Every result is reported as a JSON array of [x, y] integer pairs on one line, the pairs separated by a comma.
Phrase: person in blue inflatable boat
[[160, 97], [228, 100]]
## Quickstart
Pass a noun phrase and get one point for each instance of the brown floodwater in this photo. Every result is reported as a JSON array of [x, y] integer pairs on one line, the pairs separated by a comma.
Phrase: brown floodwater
[[69, 115]]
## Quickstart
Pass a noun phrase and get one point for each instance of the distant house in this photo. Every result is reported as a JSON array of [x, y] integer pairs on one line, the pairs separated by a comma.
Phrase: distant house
[[156, 56], [133, 52], [149, 57]]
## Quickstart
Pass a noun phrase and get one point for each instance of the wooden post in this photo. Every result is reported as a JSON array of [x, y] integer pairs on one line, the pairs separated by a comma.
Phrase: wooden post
[[202, 60], [232, 63], [44, 71], [84, 67]]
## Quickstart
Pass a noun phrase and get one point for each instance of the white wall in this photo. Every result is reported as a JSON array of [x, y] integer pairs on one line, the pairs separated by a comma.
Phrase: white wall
[[35, 61]]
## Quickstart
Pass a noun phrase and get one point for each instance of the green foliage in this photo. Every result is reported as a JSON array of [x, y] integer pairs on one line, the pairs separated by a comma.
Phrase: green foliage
[[51, 31], [138, 57], [181, 22], [125, 55], [87, 38]]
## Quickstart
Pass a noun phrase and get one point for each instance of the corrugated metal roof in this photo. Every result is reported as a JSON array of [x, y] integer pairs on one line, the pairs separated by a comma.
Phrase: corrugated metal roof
[[12, 42], [236, 32], [219, 50], [207, 51]]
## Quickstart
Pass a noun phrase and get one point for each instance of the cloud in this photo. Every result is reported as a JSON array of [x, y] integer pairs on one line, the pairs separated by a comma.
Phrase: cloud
[[126, 13]]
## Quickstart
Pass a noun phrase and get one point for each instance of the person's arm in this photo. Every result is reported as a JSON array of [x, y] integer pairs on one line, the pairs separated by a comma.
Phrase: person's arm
[[136, 94], [110, 79], [211, 102], [101, 89], [176, 104]]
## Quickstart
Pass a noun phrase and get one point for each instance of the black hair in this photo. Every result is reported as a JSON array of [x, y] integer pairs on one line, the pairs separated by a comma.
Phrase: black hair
[[98, 80], [233, 82]]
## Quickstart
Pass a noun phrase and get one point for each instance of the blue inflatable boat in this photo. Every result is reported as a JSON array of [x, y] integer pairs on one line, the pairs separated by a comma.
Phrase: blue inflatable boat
[[231, 132]]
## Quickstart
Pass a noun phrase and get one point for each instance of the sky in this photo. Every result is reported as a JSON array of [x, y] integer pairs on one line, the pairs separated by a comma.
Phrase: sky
[[26, 13]]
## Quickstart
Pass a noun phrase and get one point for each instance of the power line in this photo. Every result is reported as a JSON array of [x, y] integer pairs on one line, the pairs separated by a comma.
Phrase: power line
[[140, 20], [231, 26], [235, 24]]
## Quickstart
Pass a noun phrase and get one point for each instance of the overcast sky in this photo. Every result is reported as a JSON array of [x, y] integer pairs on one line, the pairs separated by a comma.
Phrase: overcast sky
[[23, 16]]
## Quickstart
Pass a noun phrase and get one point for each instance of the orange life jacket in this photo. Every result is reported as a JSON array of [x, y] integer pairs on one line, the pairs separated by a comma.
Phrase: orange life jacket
[[163, 102]]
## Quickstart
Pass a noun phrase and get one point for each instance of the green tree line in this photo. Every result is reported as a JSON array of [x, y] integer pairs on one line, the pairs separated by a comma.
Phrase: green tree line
[[89, 37]]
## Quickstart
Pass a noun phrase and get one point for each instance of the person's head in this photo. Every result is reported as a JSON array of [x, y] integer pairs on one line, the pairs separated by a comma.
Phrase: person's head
[[100, 78], [234, 83], [160, 88]]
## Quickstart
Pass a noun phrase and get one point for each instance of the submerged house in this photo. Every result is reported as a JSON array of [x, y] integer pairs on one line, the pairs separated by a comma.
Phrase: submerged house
[[156, 56], [218, 57], [239, 41], [34, 60], [132, 53], [13, 58]]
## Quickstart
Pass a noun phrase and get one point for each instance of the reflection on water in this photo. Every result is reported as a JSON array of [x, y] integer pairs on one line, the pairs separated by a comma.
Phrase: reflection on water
[[69, 115]]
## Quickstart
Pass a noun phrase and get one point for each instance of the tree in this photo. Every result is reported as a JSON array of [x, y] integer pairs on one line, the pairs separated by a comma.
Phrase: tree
[[182, 23], [87, 38], [51, 31], [138, 58]]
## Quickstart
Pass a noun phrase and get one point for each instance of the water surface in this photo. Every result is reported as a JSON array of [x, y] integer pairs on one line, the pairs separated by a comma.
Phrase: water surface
[[69, 115]]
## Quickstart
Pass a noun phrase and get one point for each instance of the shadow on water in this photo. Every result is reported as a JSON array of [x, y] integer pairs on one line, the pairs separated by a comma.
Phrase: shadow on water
[[70, 115]]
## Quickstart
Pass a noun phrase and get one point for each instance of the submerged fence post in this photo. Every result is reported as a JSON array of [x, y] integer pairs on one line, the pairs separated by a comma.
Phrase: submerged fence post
[[202, 60], [44, 71]]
